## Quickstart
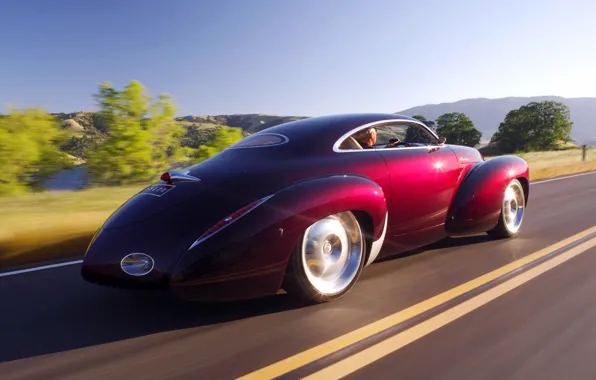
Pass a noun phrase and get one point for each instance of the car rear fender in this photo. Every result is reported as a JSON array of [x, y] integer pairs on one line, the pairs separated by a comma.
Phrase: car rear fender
[[477, 204], [302, 204], [253, 253]]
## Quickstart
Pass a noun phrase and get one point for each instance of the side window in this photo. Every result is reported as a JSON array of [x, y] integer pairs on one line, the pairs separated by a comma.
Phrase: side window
[[361, 139], [404, 133], [414, 134], [389, 133], [419, 135]]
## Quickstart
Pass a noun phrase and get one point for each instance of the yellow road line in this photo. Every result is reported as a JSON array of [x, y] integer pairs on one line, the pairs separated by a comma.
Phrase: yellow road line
[[394, 343], [315, 353]]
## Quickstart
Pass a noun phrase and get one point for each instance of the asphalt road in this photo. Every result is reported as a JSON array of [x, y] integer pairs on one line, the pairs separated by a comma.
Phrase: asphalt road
[[55, 326]]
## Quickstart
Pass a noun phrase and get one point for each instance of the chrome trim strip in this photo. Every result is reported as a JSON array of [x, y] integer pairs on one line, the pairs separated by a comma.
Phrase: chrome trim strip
[[177, 176], [376, 123], [376, 246], [257, 204]]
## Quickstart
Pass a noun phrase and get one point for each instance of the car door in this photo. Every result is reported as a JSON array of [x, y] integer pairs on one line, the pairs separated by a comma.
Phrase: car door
[[423, 177]]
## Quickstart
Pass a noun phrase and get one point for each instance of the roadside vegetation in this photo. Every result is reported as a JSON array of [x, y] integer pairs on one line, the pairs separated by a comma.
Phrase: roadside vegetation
[[132, 138]]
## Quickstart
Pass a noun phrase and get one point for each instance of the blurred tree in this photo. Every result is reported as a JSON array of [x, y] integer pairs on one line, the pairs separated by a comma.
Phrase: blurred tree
[[79, 146], [29, 149], [535, 126], [458, 129], [220, 140], [142, 137]]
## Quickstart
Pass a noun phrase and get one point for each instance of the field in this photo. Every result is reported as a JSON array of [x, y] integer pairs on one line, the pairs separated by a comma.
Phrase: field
[[52, 225], [559, 162]]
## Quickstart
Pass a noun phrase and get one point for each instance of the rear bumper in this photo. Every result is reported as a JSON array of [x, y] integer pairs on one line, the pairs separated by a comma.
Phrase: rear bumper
[[229, 287], [104, 275], [240, 262]]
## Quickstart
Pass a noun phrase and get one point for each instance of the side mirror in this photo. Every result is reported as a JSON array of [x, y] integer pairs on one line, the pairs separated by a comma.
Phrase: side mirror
[[442, 140]]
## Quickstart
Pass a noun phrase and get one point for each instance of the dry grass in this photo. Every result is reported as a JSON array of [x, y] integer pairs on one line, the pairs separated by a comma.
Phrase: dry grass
[[44, 226], [561, 170], [54, 225], [559, 163], [562, 158]]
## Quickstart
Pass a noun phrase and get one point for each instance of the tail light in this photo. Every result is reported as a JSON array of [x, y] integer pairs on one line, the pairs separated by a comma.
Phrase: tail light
[[177, 176], [229, 220]]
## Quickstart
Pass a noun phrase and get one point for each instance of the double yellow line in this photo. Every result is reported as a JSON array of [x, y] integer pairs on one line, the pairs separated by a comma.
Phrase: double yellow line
[[403, 338]]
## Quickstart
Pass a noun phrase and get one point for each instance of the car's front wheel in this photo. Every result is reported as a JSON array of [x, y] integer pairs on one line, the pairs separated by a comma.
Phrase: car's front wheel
[[327, 260], [512, 211]]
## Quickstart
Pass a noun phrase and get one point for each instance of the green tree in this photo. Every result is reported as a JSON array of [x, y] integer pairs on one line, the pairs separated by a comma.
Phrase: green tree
[[535, 126], [29, 149], [458, 129], [223, 138], [428, 123], [143, 136]]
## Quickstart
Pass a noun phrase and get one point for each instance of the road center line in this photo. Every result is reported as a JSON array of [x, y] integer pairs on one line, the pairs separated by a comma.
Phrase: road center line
[[394, 343], [315, 353]]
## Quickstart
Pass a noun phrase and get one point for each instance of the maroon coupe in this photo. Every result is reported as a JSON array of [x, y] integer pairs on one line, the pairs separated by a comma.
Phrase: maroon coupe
[[305, 206]]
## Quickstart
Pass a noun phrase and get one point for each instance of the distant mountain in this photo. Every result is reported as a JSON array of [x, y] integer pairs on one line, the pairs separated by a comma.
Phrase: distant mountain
[[85, 123], [487, 114]]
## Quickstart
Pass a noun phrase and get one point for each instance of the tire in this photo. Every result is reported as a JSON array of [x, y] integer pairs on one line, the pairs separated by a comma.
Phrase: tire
[[512, 212], [336, 239]]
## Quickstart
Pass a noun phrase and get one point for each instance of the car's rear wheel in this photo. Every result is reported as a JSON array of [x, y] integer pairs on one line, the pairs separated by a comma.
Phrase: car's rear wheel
[[327, 260], [512, 211]]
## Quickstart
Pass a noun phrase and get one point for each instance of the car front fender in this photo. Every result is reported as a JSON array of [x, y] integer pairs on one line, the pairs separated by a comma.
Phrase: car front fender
[[477, 204]]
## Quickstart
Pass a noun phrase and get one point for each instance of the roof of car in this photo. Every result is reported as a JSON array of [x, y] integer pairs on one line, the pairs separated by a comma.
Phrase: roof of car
[[332, 126], [316, 135]]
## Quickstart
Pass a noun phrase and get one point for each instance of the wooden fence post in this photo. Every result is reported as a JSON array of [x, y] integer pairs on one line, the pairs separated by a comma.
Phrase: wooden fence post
[[584, 152]]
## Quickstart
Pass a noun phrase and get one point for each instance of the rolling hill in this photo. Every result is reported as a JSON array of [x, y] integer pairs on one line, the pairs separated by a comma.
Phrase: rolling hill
[[250, 123], [487, 114]]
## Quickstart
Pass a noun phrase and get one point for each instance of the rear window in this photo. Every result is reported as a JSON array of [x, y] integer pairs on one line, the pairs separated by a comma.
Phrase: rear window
[[261, 140]]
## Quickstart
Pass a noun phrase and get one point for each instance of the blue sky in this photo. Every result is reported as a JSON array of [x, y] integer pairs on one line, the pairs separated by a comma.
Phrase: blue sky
[[301, 57]]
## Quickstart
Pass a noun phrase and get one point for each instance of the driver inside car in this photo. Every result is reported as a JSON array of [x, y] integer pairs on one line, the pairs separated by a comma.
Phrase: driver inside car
[[368, 137]]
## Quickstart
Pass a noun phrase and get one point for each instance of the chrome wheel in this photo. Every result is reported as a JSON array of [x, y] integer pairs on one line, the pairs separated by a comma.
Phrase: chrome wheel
[[332, 252], [513, 206]]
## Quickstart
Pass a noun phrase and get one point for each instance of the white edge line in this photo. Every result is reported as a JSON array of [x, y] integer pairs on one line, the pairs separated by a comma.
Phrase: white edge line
[[40, 268], [6, 274], [561, 178]]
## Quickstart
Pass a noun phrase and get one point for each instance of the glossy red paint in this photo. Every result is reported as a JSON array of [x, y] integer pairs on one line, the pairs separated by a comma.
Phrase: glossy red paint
[[465, 155], [423, 182], [256, 250], [427, 192], [479, 198]]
